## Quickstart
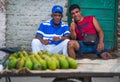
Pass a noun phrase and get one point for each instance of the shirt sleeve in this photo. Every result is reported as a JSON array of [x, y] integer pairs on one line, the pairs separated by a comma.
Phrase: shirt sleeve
[[66, 31], [40, 30]]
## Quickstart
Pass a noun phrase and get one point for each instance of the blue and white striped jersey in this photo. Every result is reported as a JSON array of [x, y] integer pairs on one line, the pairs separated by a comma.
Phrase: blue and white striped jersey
[[47, 30]]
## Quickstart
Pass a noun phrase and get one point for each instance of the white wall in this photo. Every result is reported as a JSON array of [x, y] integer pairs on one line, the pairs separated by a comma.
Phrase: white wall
[[2, 23], [23, 18]]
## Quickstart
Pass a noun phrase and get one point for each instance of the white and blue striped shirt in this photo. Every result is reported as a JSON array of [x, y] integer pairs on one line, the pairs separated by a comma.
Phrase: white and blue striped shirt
[[47, 30]]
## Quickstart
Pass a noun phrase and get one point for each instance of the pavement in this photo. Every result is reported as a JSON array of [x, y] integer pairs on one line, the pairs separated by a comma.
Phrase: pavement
[[28, 79], [39, 79]]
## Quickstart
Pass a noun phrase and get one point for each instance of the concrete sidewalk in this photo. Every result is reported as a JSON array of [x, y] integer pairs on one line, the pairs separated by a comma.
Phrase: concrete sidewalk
[[39, 79], [28, 79]]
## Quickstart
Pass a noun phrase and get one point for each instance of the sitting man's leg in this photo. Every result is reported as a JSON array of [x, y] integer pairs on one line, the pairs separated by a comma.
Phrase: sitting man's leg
[[61, 48], [80, 47], [36, 46], [72, 47], [104, 54]]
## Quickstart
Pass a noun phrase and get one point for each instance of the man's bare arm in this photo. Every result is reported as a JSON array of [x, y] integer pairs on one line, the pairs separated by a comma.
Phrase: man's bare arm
[[72, 29], [42, 41], [100, 34]]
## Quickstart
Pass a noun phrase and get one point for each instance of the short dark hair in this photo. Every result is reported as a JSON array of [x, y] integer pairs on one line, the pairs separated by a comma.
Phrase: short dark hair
[[74, 6]]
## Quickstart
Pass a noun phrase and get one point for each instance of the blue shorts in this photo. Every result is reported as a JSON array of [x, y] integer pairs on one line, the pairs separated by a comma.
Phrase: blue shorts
[[90, 49]]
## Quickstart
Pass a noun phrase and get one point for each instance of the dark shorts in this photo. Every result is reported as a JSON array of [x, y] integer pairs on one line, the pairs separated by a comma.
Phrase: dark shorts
[[90, 49]]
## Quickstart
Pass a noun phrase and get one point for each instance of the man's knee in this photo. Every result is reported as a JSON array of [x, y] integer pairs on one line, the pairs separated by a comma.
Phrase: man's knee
[[71, 43], [35, 41], [66, 40]]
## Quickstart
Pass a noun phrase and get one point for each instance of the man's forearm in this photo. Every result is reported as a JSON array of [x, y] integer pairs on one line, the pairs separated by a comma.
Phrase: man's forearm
[[101, 36], [64, 37], [73, 35], [38, 37]]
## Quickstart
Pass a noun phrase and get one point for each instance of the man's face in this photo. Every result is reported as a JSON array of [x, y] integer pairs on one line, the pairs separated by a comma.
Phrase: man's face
[[76, 14], [57, 18]]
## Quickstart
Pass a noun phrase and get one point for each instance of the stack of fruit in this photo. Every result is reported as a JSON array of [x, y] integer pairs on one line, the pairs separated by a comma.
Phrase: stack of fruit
[[41, 61]]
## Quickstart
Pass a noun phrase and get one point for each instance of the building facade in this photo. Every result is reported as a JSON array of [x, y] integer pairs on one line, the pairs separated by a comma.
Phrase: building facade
[[19, 20]]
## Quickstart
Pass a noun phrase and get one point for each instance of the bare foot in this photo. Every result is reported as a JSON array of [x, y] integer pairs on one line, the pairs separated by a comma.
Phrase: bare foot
[[106, 55]]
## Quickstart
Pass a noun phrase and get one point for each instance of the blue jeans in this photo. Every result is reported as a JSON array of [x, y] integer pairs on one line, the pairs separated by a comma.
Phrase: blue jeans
[[90, 48]]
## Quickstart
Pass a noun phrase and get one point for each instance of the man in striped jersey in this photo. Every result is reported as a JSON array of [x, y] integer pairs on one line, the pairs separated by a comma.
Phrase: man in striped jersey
[[52, 35]]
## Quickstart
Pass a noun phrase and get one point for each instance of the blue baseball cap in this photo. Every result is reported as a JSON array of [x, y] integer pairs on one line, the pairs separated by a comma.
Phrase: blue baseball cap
[[57, 8]]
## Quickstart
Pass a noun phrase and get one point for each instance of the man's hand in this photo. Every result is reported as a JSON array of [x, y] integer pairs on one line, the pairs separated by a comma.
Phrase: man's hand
[[72, 29], [100, 46], [72, 26], [45, 42], [56, 39]]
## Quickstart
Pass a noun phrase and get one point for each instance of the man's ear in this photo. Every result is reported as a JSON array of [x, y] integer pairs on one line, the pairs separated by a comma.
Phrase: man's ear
[[62, 15], [51, 15]]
